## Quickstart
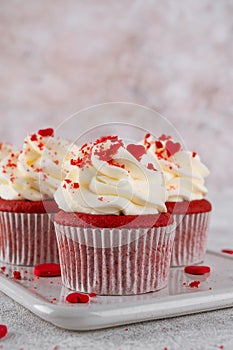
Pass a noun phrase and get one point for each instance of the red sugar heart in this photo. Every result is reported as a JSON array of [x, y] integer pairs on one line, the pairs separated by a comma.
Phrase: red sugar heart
[[197, 270], [227, 251], [47, 270], [136, 150], [3, 330], [77, 298], [172, 148], [46, 132]]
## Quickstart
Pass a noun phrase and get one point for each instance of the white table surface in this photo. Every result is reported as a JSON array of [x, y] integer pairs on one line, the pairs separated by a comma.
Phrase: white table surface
[[209, 330]]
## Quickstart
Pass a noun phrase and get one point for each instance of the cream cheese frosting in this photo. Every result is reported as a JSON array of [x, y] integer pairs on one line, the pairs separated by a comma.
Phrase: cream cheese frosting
[[5, 150], [183, 170], [110, 177], [35, 172]]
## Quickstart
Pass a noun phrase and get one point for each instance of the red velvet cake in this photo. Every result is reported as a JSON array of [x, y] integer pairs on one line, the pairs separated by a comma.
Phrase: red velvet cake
[[191, 227], [28, 180]]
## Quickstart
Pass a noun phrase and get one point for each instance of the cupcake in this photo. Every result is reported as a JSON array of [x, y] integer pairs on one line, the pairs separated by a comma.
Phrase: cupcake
[[184, 175], [113, 231], [28, 180]]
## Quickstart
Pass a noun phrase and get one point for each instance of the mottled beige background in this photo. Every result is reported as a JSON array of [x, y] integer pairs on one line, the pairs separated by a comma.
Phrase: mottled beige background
[[175, 56]]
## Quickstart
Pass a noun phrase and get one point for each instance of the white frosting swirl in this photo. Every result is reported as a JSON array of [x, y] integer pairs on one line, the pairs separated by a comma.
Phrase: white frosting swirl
[[5, 150], [35, 172], [108, 179], [183, 171]]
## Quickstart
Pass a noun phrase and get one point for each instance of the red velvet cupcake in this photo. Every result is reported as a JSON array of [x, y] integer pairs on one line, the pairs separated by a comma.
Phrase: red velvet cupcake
[[27, 235], [114, 236], [184, 176], [191, 222], [28, 180]]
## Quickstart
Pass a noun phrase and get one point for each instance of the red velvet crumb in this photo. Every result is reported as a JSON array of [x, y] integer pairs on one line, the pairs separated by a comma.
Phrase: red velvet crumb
[[150, 166], [46, 132], [17, 275], [194, 284]]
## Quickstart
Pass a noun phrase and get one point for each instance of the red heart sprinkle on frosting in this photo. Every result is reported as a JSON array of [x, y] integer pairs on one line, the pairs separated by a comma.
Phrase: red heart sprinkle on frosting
[[17, 275], [46, 132], [172, 148], [77, 298], [136, 150], [197, 270], [3, 330], [47, 270], [194, 284], [227, 251]]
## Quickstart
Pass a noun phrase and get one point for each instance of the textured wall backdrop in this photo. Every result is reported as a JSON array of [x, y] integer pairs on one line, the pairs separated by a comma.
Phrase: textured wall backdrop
[[175, 56]]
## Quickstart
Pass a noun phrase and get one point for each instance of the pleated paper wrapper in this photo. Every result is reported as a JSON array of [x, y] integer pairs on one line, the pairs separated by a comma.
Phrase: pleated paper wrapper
[[190, 239], [27, 239], [117, 261]]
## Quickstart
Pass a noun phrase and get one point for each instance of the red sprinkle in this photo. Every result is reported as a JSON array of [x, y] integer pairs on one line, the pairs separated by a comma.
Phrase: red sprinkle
[[77, 298], [47, 270], [164, 137], [150, 166], [197, 270], [107, 154], [92, 294], [3, 330], [147, 144], [46, 132], [227, 251], [76, 185], [194, 154], [194, 284], [136, 150], [67, 181], [17, 275], [3, 268], [158, 144], [33, 137]]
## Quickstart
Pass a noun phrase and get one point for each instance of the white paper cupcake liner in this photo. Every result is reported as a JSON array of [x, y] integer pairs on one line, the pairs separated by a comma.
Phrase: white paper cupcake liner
[[190, 239], [27, 239], [133, 266]]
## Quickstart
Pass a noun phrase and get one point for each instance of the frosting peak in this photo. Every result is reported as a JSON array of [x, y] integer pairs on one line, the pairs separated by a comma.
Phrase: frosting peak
[[183, 171], [35, 172], [109, 177]]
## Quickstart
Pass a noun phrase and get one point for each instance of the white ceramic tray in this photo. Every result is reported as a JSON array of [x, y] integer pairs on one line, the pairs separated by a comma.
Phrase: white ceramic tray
[[45, 297]]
